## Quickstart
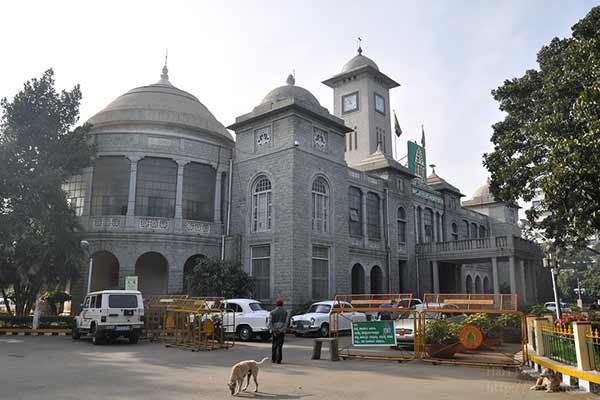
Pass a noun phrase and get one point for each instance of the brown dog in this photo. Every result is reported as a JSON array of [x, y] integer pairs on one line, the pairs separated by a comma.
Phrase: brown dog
[[548, 380], [242, 370]]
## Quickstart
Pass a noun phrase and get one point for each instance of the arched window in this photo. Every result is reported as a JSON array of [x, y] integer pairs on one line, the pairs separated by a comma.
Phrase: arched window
[[428, 225], [478, 288], [473, 231], [320, 205], [373, 221], [482, 232], [356, 217], [401, 225], [469, 285], [454, 231], [486, 285], [262, 209], [466, 227]]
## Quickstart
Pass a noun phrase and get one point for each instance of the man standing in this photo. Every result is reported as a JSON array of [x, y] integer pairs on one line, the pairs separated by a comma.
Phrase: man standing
[[278, 322]]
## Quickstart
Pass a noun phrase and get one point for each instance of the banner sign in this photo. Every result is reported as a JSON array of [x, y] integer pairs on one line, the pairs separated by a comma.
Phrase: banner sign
[[373, 333], [417, 162]]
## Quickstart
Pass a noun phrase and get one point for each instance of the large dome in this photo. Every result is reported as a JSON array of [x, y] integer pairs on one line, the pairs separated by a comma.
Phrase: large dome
[[359, 61], [161, 103], [483, 194], [290, 90]]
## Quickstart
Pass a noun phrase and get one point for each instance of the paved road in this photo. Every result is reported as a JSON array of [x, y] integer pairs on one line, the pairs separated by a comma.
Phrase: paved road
[[59, 368]]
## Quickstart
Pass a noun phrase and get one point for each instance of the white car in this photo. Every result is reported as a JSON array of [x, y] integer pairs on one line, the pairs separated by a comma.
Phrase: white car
[[108, 314], [251, 319], [316, 319], [405, 324], [551, 306]]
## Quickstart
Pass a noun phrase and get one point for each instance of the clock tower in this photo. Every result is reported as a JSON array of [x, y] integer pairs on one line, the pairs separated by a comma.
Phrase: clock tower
[[361, 97]]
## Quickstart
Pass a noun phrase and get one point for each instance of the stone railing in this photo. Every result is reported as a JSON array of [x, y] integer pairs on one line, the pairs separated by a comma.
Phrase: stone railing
[[501, 245]]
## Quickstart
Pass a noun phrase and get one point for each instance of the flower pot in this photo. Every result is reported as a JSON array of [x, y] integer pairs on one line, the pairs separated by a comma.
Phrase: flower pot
[[440, 350], [492, 342]]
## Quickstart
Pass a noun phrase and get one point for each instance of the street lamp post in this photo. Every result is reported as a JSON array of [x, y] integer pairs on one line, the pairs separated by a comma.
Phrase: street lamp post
[[85, 245], [551, 262]]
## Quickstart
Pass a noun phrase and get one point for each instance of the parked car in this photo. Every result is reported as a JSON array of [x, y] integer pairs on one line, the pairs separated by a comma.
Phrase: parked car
[[251, 319], [551, 306], [405, 324], [316, 318], [108, 314], [403, 302]]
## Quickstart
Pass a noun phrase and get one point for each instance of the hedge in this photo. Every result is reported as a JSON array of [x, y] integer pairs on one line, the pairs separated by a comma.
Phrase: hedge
[[59, 322]]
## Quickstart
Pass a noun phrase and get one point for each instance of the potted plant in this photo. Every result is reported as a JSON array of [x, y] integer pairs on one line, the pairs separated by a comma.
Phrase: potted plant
[[492, 334], [511, 327], [441, 337]]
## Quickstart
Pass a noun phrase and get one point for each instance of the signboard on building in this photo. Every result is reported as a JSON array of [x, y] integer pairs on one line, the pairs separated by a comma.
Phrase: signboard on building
[[373, 333], [131, 282], [417, 161]]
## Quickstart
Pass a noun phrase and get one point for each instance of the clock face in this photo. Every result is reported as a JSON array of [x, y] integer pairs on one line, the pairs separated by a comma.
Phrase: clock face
[[320, 139], [350, 102], [379, 103], [263, 136]]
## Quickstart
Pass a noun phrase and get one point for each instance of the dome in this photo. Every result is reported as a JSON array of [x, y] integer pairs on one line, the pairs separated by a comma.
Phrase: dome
[[359, 61], [483, 194], [291, 90], [161, 103]]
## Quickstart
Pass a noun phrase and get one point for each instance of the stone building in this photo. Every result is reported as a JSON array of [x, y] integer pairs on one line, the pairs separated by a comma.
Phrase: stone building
[[318, 203]]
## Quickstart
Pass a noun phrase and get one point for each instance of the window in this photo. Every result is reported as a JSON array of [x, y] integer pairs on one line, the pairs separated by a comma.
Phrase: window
[[438, 227], [110, 186], [86, 304], [373, 222], [261, 270], [466, 227], [122, 301], [256, 307], [199, 192], [379, 103], [482, 232], [428, 222], [262, 208], [320, 272], [320, 205], [234, 307], [400, 183], [74, 189], [401, 225], [156, 187], [473, 231], [356, 217], [454, 231], [93, 302]]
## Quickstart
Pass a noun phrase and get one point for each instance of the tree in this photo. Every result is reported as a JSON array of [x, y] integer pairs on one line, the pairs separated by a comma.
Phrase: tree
[[549, 139], [213, 277], [39, 151]]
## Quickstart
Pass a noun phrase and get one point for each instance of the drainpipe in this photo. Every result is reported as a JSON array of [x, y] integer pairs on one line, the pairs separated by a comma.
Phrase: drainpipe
[[227, 224], [387, 239]]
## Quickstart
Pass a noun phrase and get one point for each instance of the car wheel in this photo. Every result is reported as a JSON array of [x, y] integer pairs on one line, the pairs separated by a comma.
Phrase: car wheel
[[97, 337], [324, 331], [245, 333], [134, 338], [75, 334]]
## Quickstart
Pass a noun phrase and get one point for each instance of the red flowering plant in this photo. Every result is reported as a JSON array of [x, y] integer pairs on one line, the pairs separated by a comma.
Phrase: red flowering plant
[[568, 318]]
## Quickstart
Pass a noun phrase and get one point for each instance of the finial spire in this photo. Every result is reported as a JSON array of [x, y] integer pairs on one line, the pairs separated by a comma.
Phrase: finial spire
[[290, 80], [359, 46], [422, 136], [165, 71], [432, 168]]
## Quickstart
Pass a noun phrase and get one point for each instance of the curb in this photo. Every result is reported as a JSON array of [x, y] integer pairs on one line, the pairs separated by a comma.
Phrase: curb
[[33, 334]]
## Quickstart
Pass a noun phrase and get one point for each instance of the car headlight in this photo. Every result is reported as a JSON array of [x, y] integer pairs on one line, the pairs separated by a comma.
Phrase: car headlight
[[312, 321]]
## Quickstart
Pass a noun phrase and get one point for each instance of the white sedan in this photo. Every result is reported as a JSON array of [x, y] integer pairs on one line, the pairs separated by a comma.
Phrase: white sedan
[[316, 318], [250, 318]]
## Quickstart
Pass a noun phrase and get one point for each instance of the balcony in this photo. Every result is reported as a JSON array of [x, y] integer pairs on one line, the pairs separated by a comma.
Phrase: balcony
[[495, 246]]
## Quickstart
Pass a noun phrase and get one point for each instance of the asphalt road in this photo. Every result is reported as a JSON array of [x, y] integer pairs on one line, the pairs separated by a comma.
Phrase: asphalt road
[[60, 368]]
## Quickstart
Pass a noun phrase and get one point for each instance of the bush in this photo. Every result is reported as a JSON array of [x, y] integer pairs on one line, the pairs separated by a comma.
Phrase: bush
[[55, 300], [538, 310], [441, 331], [481, 321], [62, 322], [509, 321]]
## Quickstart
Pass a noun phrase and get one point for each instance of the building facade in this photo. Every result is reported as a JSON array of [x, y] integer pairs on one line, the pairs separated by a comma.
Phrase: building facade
[[318, 204]]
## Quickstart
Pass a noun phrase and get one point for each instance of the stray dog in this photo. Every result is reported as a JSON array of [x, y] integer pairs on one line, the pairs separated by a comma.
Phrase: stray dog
[[548, 380], [242, 370]]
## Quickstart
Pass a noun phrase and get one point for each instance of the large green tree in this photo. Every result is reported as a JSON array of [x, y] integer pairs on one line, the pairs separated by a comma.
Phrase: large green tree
[[221, 278], [40, 148], [549, 139]]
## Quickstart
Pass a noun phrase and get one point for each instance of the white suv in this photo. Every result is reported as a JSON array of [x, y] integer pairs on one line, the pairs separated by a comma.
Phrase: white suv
[[108, 314], [250, 319]]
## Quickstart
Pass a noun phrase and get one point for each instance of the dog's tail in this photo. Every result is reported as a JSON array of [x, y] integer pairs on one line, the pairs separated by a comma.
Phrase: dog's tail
[[262, 361]]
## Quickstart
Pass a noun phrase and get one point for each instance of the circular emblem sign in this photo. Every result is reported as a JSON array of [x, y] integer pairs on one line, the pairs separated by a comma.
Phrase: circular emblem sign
[[471, 337]]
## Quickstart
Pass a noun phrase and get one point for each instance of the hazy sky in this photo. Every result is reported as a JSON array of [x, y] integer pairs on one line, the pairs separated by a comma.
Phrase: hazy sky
[[447, 55]]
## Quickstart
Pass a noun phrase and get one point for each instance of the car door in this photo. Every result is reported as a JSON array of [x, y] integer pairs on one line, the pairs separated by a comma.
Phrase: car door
[[233, 315], [84, 321]]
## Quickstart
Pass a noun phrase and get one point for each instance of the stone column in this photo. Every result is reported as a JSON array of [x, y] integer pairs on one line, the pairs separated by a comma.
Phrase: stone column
[[513, 274], [423, 224], [89, 179], [364, 215], [495, 275], [132, 186], [179, 195], [435, 228], [436, 276], [538, 323], [581, 348], [218, 194], [416, 212], [523, 280]]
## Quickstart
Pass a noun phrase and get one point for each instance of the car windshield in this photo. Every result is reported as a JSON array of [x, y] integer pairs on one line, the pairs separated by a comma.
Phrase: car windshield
[[320, 308], [122, 301], [256, 307]]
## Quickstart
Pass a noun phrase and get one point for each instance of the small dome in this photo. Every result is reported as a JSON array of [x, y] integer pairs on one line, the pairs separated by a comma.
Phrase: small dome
[[291, 90], [483, 194], [359, 61], [163, 103]]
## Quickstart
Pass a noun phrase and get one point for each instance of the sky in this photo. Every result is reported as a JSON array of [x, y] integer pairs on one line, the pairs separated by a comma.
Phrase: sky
[[447, 56]]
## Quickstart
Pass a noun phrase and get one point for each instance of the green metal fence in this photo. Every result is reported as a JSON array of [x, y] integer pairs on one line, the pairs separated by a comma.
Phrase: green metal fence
[[592, 339]]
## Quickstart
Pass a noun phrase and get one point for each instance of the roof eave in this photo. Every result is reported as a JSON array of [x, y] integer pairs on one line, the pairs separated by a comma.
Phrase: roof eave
[[389, 82]]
